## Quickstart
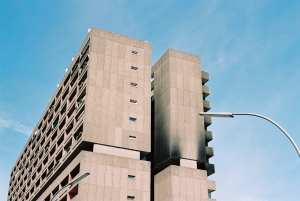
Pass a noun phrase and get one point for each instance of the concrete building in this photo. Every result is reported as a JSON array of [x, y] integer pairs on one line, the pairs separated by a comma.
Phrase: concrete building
[[136, 143]]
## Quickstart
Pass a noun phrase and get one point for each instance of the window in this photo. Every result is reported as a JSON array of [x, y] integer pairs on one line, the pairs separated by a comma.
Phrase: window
[[134, 52], [58, 157], [133, 101], [70, 127], [52, 151], [133, 84], [131, 177], [57, 106], [131, 137], [62, 123], [67, 80], [59, 92], [86, 47], [73, 93], [78, 136], [60, 140], [134, 68], [55, 123], [73, 192], [53, 136], [39, 168], [37, 183], [45, 161], [48, 197], [74, 172], [65, 93], [132, 119], [68, 147], [80, 100], [50, 169], [55, 190], [41, 154], [44, 175], [130, 197], [64, 181], [32, 190], [152, 77], [79, 115], [209, 194]]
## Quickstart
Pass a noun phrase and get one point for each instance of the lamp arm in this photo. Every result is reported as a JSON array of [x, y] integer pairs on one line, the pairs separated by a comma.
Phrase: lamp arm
[[60, 190]]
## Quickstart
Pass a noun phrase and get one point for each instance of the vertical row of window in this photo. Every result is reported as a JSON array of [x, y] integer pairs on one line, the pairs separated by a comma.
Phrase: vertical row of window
[[57, 123], [132, 101]]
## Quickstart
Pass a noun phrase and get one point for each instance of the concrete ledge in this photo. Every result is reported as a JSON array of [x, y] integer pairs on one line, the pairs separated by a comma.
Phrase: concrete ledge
[[206, 105], [205, 77], [205, 91], [188, 163], [114, 151]]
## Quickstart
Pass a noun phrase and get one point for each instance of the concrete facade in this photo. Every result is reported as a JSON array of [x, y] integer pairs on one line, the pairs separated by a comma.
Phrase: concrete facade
[[179, 97], [182, 183], [104, 119]]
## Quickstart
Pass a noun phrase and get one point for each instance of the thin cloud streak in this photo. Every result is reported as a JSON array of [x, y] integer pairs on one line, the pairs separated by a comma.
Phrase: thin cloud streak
[[16, 126]]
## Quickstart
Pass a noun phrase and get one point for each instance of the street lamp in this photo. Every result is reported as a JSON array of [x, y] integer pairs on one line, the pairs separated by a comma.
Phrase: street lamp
[[72, 183], [231, 115]]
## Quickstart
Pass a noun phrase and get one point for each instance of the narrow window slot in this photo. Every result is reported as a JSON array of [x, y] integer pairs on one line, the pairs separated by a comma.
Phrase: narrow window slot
[[133, 101], [132, 119], [131, 137], [131, 177], [130, 197], [134, 68], [134, 52], [133, 84]]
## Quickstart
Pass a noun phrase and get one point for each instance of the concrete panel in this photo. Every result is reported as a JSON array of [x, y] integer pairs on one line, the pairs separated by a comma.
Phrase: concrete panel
[[116, 151], [182, 182]]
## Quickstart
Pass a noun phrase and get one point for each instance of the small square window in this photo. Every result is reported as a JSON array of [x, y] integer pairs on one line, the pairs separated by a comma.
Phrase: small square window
[[130, 197], [209, 193], [131, 177], [133, 84], [134, 52], [132, 119], [131, 137], [134, 68], [133, 101]]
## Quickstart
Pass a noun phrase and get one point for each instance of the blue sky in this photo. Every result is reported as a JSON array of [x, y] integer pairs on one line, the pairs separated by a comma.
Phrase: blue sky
[[250, 48]]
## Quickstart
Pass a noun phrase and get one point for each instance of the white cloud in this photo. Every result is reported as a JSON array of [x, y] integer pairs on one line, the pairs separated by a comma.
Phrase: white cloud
[[16, 126]]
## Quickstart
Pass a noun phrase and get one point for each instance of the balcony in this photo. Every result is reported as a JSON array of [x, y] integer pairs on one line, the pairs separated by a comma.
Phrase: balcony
[[205, 77], [207, 121], [206, 105], [208, 136], [205, 91], [209, 152], [210, 168]]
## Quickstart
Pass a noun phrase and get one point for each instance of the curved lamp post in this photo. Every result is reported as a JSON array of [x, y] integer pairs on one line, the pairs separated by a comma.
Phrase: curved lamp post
[[227, 114], [72, 183]]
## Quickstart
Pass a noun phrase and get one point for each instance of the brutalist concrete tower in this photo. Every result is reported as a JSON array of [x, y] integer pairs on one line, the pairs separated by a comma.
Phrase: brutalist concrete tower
[[180, 138], [98, 121], [103, 119]]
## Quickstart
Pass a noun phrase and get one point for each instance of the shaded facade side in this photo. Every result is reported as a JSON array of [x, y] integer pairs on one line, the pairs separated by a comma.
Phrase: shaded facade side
[[179, 95], [179, 134]]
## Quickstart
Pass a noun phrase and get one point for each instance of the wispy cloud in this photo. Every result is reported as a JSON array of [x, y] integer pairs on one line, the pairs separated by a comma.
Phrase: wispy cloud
[[15, 125]]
